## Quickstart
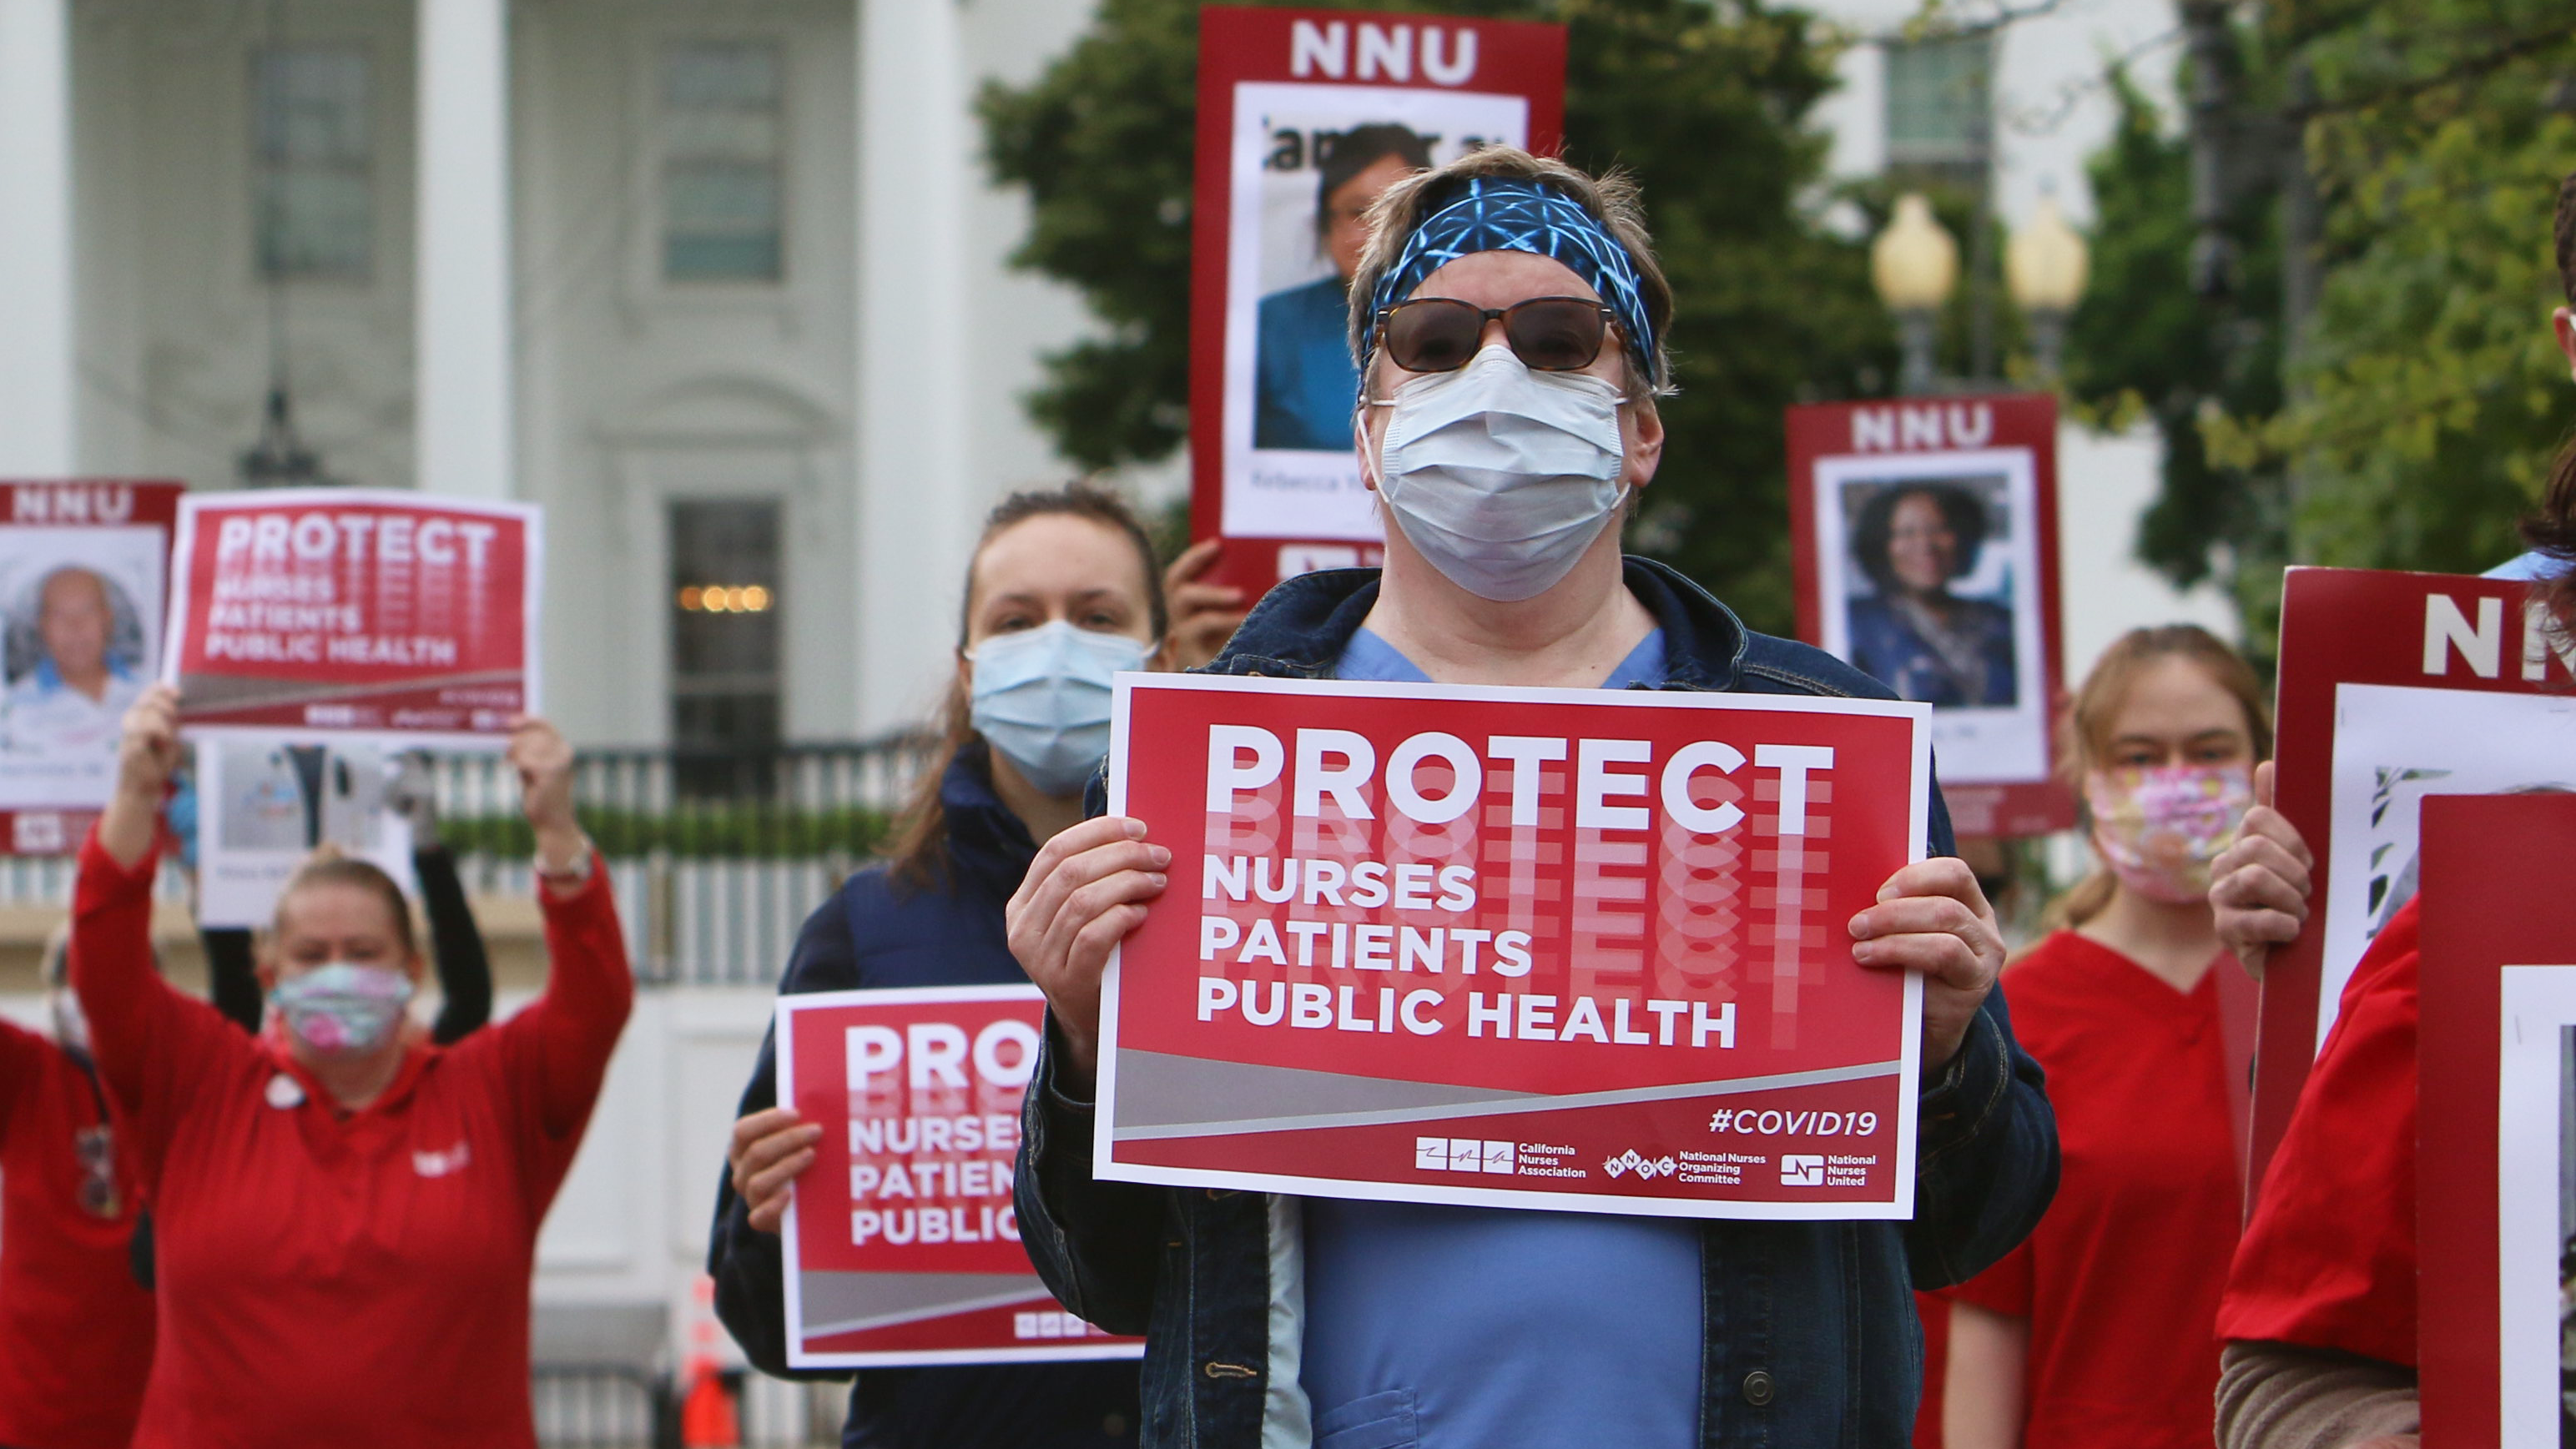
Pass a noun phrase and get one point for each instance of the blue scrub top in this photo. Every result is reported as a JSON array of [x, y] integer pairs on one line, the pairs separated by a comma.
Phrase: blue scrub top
[[1434, 1327]]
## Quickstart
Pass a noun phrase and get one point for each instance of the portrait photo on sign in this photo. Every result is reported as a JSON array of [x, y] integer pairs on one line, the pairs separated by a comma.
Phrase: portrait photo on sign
[[1308, 160], [2536, 1205], [82, 610], [1928, 581], [266, 803], [2393, 746]]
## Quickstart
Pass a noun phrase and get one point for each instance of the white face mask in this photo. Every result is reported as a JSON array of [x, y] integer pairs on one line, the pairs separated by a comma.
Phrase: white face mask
[[1502, 476], [1041, 697]]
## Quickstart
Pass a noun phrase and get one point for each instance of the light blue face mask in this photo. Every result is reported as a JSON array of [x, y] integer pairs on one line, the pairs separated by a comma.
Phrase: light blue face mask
[[1041, 697], [343, 1008]]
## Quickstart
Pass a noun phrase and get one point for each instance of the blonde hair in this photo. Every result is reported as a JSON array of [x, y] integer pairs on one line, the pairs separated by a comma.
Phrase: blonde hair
[[2084, 732], [327, 866]]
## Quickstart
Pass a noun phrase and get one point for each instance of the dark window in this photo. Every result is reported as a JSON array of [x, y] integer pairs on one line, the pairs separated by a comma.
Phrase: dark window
[[725, 604], [721, 144], [314, 194]]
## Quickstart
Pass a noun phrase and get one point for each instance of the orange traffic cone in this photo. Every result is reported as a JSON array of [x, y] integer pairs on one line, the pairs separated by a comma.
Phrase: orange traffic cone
[[708, 1419]]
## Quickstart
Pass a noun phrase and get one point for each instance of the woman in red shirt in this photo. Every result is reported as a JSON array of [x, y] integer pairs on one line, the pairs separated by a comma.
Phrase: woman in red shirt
[[2097, 1330], [347, 1215]]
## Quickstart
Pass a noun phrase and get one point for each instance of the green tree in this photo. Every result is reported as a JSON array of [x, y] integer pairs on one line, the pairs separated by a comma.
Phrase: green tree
[[1702, 103], [2140, 342], [2414, 421], [2433, 397]]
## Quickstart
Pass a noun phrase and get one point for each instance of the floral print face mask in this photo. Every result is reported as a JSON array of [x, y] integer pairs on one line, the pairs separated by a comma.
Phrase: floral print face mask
[[2159, 827], [343, 1009]]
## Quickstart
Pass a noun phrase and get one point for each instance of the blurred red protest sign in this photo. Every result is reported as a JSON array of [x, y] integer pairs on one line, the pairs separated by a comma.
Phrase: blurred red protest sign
[[2393, 686], [398, 615], [1925, 536], [84, 568], [900, 1243], [1540, 948], [2495, 1176], [1304, 116]]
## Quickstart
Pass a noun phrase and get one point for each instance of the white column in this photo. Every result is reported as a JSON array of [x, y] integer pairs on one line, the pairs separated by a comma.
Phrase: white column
[[917, 509], [462, 385], [36, 428]]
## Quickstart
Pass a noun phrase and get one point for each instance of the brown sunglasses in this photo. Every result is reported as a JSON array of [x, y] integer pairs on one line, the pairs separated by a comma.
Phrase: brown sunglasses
[[1441, 334]]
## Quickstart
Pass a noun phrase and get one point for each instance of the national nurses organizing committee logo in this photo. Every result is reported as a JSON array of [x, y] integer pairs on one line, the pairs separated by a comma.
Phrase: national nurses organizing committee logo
[[1646, 1168]]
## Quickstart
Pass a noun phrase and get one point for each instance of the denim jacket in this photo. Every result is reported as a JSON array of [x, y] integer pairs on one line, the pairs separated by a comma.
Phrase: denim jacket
[[1810, 1334]]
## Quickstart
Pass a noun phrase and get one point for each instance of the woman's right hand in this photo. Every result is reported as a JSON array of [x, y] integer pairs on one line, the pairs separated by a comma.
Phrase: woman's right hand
[[145, 759], [770, 1150], [2258, 887], [1085, 891]]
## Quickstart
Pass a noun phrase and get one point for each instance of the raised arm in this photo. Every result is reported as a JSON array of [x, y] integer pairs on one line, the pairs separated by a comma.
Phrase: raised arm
[[149, 1041], [562, 1041], [455, 945]]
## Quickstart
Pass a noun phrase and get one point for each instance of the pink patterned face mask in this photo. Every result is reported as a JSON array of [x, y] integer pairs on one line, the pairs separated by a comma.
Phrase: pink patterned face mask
[[2159, 828]]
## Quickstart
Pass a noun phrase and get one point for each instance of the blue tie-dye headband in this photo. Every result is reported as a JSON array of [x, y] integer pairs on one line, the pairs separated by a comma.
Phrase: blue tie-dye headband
[[1495, 215]]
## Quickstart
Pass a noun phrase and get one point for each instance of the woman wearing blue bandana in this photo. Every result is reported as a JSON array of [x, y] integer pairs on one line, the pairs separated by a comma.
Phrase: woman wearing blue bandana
[[1510, 316]]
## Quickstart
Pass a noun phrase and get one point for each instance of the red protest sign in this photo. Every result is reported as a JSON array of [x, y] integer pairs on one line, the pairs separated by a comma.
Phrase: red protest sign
[[380, 613], [1925, 536], [900, 1243], [1573, 949], [84, 567], [1303, 117], [2497, 1103], [2393, 686]]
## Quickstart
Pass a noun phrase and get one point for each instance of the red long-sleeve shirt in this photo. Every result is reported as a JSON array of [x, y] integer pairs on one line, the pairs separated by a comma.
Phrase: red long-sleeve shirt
[[344, 1279], [75, 1330], [2328, 1259]]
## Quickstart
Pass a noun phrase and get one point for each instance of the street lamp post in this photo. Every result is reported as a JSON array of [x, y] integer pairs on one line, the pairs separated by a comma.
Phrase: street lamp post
[[2045, 264], [1914, 264]]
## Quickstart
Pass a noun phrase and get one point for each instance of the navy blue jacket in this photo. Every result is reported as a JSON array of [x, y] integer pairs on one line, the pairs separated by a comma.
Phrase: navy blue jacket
[[1810, 1335], [874, 932]]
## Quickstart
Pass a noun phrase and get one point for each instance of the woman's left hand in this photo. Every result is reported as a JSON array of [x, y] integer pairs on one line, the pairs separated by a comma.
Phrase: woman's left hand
[[544, 762], [1932, 917]]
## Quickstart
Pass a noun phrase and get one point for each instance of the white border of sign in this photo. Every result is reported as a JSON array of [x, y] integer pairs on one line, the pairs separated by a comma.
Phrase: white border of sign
[[1323, 496], [183, 545], [1986, 746], [784, 1040], [1910, 1072], [2539, 1006]]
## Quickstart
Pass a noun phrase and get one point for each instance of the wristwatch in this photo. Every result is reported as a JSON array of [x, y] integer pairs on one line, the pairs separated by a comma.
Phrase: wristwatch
[[569, 877]]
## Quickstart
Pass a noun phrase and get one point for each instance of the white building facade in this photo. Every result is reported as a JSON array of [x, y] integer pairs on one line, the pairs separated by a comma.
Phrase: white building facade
[[721, 284], [718, 282]]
